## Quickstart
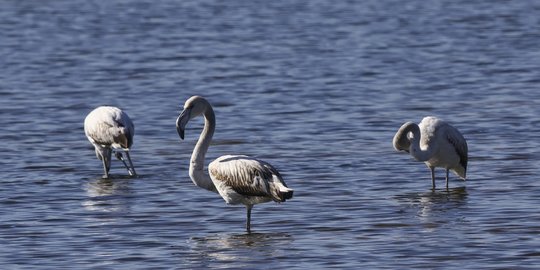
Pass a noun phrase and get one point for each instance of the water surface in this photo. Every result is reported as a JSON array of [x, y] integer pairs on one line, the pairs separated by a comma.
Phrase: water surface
[[316, 88]]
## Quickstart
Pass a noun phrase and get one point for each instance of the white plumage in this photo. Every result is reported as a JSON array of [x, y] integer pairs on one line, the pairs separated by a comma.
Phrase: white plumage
[[238, 179], [109, 128], [436, 143]]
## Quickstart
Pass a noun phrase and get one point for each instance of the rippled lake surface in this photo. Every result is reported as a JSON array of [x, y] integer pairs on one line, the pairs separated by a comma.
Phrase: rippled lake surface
[[316, 88]]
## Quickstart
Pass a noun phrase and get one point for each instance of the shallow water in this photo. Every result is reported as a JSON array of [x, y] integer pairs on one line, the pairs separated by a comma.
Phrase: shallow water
[[316, 88]]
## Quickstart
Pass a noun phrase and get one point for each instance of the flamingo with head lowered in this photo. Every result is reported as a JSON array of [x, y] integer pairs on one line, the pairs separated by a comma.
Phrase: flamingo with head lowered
[[109, 128]]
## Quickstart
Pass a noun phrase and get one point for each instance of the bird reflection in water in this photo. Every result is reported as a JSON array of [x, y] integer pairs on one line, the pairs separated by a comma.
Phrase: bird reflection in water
[[239, 248], [435, 208], [108, 195]]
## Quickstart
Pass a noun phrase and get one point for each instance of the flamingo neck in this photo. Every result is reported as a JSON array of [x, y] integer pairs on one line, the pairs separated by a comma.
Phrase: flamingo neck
[[196, 166], [419, 153]]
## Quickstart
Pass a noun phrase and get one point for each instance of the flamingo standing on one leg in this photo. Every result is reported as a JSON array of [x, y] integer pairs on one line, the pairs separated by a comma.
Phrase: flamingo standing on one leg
[[238, 179]]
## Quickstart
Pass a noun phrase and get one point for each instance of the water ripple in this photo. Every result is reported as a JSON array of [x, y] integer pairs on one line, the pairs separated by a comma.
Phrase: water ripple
[[317, 89]]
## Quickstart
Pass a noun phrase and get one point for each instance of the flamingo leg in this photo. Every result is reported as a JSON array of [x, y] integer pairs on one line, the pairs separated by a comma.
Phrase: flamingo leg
[[432, 177], [105, 171], [105, 155], [248, 222], [446, 178]]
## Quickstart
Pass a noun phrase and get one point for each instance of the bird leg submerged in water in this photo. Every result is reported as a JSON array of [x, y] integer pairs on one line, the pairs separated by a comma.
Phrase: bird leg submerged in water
[[248, 219], [104, 154], [130, 168]]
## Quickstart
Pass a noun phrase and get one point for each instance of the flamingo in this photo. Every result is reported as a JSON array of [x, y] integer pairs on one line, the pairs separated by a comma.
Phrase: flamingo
[[109, 128], [238, 179], [436, 143]]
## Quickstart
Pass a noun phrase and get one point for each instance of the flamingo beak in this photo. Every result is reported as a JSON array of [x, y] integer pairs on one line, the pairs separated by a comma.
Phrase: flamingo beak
[[129, 166], [182, 121]]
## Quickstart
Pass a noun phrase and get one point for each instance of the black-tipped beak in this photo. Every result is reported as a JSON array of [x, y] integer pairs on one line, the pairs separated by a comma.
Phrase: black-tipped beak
[[180, 132], [182, 121]]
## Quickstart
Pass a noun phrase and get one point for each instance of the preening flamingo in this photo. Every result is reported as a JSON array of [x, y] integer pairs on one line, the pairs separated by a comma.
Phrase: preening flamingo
[[436, 143]]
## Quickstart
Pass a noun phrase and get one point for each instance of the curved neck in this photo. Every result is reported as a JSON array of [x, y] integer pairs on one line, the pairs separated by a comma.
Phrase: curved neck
[[196, 166], [419, 153]]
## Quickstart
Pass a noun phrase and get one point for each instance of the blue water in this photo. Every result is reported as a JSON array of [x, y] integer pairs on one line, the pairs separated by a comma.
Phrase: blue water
[[316, 88]]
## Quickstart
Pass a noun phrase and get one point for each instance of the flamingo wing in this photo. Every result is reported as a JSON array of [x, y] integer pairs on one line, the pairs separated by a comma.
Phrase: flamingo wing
[[455, 138], [245, 175]]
